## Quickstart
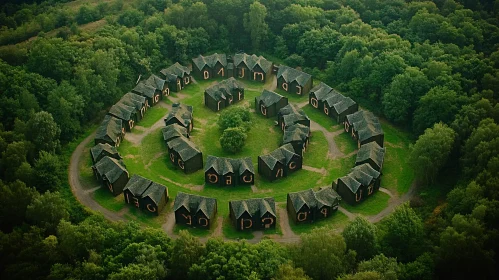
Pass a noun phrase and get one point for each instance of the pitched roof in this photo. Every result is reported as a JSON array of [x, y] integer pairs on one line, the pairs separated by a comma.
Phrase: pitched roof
[[185, 148], [251, 61], [174, 130], [210, 60], [98, 149], [269, 98], [144, 89], [292, 114], [110, 129], [290, 74], [132, 99], [181, 112], [350, 183], [177, 70], [371, 151], [156, 82], [282, 154], [224, 166], [110, 168], [224, 88], [365, 124], [343, 105], [122, 111], [155, 192], [137, 185], [255, 207], [311, 198], [195, 203], [321, 91], [295, 132], [360, 175]]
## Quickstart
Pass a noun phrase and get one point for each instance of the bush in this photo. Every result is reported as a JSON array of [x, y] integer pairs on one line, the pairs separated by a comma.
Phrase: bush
[[235, 117], [233, 139]]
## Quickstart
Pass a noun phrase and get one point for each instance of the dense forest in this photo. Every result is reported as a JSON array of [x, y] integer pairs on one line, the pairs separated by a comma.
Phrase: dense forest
[[430, 67]]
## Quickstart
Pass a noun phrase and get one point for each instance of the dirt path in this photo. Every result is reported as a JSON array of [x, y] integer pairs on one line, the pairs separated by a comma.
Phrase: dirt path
[[334, 152], [136, 138], [393, 203], [287, 232]]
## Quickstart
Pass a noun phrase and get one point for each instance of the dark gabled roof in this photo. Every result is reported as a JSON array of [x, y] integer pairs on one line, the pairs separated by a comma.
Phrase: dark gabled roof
[[185, 148], [224, 166], [350, 183], [290, 74], [333, 98], [366, 168], [122, 111], [137, 185], [251, 61], [174, 130], [210, 60], [282, 154], [343, 105], [195, 203], [322, 197], [110, 168], [110, 129], [181, 112], [292, 114], [155, 192], [155, 82], [98, 149], [269, 98], [224, 88], [360, 175], [295, 132], [371, 151], [134, 100], [144, 89], [321, 91], [366, 124], [177, 70], [255, 207]]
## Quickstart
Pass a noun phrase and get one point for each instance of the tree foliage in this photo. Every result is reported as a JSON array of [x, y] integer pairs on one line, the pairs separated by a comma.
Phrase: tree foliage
[[233, 139], [361, 236]]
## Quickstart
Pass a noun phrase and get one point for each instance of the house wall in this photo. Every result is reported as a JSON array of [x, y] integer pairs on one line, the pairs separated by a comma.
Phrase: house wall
[[247, 178], [212, 178], [219, 71], [314, 102], [294, 165], [291, 209], [257, 74], [194, 164], [212, 103], [184, 217], [267, 221], [242, 72], [264, 170], [345, 193], [120, 184]]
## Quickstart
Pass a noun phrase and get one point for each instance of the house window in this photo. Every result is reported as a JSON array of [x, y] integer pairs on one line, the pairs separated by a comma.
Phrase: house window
[[206, 74], [314, 102]]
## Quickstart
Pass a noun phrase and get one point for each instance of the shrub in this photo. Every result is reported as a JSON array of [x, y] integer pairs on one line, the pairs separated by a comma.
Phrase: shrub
[[233, 139]]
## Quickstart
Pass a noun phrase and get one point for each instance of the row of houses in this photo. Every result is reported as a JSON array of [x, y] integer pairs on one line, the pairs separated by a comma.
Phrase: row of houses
[[108, 168], [229, 172], [331, 102]]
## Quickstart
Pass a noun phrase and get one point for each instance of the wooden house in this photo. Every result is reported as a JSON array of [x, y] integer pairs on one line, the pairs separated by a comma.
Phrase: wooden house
[[111, 131], [223, 94], [252, 67], [182, 115], [338, 107], [253, 214], [185, 155], [293, 81], [290, 115], [145, 194], [194, 210], [177, 77], [173, 131], [309, 206], [152, 94], [280, 163], [229, 172], [159, 84], [139, 102], [112, 174], [364, 127], [208, 67], [298, 136], [359, 184], [127, 114], [100, 150], [269, 103], [318, 94], [372, 154]]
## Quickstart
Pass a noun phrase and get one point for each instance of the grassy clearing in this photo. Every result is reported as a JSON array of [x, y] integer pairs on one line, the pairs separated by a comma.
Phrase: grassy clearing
[[316, 154], [371, 206], [153, 115], [337, 221], [345, 143], [146, 218], [108, 201], [320, 118]]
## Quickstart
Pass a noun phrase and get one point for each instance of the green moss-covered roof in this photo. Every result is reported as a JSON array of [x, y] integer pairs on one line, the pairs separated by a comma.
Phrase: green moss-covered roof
[[155, 82], [176, 70], [282, 154], [133, 100], [269, 98], [142, 187], [156, 191], [360, 175], [181, 112], [321, 91], [251, 61], [173, 131], [110, 168], [195, 203], [224, 166], [290, 74], [100, 148], [210, 60], [109, 129], [296, 132], [371, 151], [366, 124], [224, 89], [343, 105], [185, 148], [144, 89], [310, 198], [292, 114], [122, 111], [255, 207]]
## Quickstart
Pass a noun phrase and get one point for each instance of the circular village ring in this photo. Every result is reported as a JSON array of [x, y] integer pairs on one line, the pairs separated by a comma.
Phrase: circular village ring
[[251, 214]]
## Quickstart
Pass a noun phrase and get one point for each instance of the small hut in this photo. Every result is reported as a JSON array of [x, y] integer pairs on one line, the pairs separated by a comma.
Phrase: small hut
[[159, 84], [173, 131], [290, 115], [293, 81], [185, 155], [318, 94], [269, 103], [223, 94], [139, 102], [253, 214], [112, 174], [127, 114], [364, 127], [100, 150], [279, 163], [252, 67], [298, 136], [229, 172], [194, 210], [208, 67], [146, 194], [177, 77], [110, 131], [360, 183], [182, 115], [372, 154], [309, 206], [152, 94]]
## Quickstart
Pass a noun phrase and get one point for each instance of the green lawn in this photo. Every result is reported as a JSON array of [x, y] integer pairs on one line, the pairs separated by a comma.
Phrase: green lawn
[[104, 197], [337, 221], [316, 154], [153, 115], [345, 143], [320, 118], [144, 217], [371, 206]]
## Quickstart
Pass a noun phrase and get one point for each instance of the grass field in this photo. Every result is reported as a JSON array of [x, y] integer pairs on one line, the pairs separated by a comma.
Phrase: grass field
[[337, 221], [152, 115]]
